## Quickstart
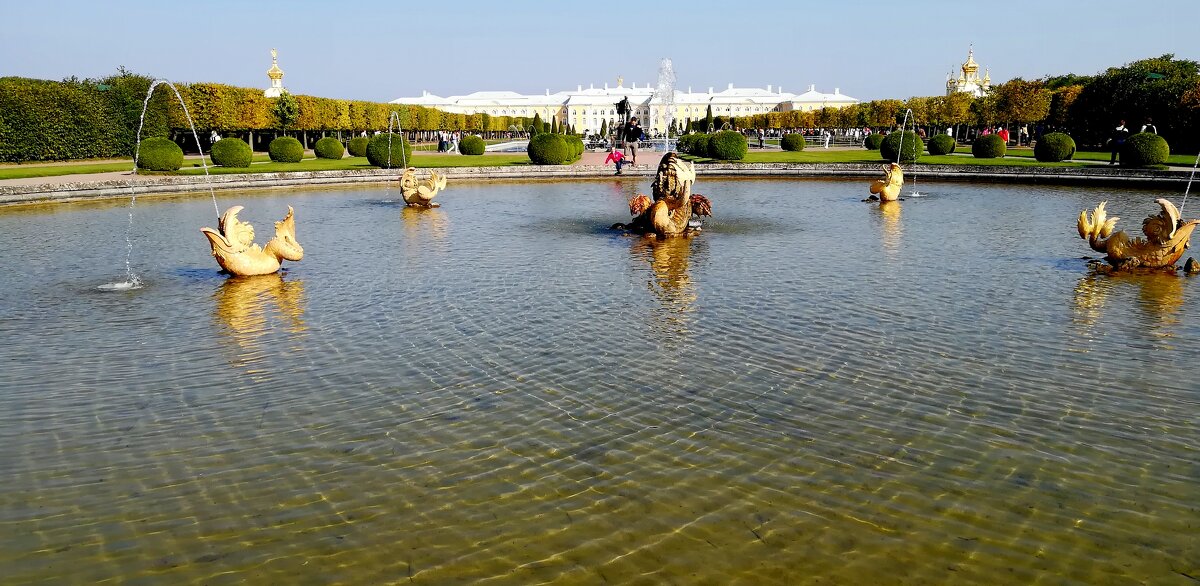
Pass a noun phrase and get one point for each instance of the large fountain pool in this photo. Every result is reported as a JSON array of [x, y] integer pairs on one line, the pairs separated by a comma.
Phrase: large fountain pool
[[813, 390]]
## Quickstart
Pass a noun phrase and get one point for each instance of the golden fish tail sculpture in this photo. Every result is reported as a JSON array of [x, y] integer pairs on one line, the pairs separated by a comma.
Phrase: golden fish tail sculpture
[[888, 188], [670, 212], [1167, 237], [421, 192], [234, 248]]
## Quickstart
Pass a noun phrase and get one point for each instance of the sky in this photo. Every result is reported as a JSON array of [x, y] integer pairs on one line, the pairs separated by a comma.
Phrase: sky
[[379, 51]]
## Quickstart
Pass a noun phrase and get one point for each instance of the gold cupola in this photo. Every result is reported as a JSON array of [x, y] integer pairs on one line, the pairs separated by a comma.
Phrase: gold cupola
[[276, 76]]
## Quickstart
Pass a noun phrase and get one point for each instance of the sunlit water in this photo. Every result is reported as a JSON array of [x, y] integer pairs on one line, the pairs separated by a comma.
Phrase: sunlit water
[[814, 390]]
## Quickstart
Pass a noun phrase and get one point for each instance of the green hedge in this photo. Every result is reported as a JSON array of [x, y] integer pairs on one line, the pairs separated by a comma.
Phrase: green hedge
[[358, 146], [286, 149], [941, 144], [894, 142], [1054, 147], [329, 148], [159, 154], [548, 149], [574, 146], [379, 156], [792, 142], [873, 141], [727, 145], [988, 147], [232, 152], [1144, 149], [51, 121], [472, 145]]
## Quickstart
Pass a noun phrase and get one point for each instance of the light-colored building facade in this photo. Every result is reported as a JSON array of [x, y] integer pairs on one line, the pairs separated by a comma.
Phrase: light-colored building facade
[[968, 80], [588, 109]]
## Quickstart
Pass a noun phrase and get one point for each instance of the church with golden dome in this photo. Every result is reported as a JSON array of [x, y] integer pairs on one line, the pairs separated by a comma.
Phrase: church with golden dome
[[968, 80], [275, 74]]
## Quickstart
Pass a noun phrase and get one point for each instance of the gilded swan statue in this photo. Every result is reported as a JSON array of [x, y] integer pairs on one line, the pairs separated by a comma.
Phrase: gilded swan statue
[[1166, 237], [420, 192], [234, 248]]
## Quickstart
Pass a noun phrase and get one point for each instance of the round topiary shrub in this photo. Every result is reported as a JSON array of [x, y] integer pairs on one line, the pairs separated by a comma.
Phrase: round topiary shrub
[[792, 142], [906, 140], [1054, 147], [699, 145], [232, 152], [575, 144], [379, 155], [873, 141], [472, 145], [942, 144], [988, 147], [1144, 149], [286, 149], [329, 148], [358, 146], [159, 154], [728, 145], [548, 149]]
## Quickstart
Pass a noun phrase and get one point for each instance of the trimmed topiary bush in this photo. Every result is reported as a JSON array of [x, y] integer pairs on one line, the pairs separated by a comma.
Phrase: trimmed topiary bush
[[286, 149], [1054, 147], [574, 145], [472, 145], [329, 148], [548, 149], [988, 147], [792, 142], [232, 152], [906, 140], [378, 154], [159, 154], [728, 145], [942, 144], [1144, 149], [358, 146], [872, 141]]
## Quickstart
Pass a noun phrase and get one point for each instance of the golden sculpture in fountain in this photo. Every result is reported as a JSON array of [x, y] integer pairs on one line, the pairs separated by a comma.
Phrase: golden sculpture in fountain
[[888, 188], [420, 192], [671, 211], [234, 248], [1166, 238]]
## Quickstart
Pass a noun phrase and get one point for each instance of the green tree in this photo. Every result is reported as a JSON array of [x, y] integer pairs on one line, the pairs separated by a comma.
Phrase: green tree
[[286, 111], [1022, 101], [708, 119], [536, 127], [1151, 87], [554, 125], [604, 128], [1061, 102]]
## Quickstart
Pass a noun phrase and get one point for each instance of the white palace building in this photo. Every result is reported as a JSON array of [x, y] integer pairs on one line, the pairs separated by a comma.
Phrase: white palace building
[[586, 109]]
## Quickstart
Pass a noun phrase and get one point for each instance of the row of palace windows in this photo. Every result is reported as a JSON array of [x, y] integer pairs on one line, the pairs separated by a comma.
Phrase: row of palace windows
[[640, 112]]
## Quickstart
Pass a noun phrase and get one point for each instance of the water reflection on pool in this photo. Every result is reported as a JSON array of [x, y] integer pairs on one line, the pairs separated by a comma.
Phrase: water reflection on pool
[[814, 390]]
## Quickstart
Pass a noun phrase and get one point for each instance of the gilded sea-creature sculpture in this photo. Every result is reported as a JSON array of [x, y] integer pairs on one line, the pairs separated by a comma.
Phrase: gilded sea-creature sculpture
[[675, 210], [888, 188], [234, 248], [420, 192], [1166, 238]]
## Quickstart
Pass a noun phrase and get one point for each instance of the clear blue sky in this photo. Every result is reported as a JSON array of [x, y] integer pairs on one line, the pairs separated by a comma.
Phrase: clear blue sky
[[382, 50]]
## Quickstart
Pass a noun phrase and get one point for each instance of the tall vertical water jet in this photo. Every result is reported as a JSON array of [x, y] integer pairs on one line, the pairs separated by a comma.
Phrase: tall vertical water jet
[[665, 93]]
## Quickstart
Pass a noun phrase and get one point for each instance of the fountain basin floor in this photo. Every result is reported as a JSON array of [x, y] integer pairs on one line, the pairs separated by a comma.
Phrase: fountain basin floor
[[813, 390]]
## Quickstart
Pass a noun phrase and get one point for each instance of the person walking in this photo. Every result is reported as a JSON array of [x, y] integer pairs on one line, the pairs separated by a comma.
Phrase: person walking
[[631, 133], [1119, 134]]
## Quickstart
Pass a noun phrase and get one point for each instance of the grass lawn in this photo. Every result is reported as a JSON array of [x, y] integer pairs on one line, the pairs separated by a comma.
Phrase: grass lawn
[[29, 170], [872, 158], [1105, 156], [353, 163]]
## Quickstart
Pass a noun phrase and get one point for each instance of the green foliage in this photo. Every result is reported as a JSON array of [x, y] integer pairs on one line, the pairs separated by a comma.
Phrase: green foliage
[[604, 128], [159, 154], [286, 111], [329, 148], [286, 149], [574, 146], [873, 141], [906, 140], [1023, 101], [708, 120], [988, 147], [231, 152], [471, 145], [727, 145], [792, 142], [1144, 149], [1054, 147], [536, 127], [378, 152], [941, 144], [696, 144], [1158, 87], [548, 149], [358, 146], [46, 121]]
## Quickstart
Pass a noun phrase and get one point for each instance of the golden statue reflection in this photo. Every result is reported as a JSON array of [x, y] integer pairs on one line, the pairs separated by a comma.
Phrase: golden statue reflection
[[423, 227], [888, 216], [671, 281], [243, 308], [1160, 296]]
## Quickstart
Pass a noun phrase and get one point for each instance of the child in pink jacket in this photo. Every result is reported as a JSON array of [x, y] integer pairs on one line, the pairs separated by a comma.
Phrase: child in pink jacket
[[615, 157]]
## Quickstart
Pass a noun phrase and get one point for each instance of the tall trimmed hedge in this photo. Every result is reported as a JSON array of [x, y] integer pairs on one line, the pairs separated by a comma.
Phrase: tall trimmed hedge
[[358, 146], [51, 121], [1144, 149], [329, 148], [379, 155], [728, 145], [159, 154], [232, 152], [792, 142], [942, 144], [548, 149], [988, 147], [908, 141], [1053, 147]]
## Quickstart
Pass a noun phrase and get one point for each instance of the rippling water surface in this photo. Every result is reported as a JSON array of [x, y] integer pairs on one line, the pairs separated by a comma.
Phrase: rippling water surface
[[814, 390]]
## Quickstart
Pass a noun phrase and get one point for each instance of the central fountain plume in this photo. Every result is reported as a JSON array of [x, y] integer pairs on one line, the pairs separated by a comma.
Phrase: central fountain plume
[[665, 93]]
